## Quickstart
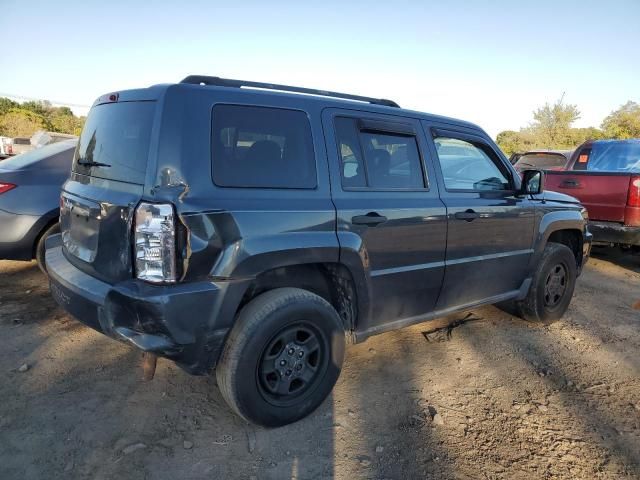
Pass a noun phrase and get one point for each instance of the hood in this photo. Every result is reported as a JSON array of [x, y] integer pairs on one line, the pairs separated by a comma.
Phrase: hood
[[556, 197]]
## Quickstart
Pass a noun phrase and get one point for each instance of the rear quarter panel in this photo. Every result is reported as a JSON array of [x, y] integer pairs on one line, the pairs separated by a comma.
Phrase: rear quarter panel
[[238, 233]]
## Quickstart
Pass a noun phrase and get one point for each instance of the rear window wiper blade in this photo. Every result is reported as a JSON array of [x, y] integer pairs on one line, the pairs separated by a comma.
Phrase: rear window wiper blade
[[92, 164]]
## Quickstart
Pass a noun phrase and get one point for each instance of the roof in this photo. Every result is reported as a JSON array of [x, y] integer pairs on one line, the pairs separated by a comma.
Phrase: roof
[[250, 88]]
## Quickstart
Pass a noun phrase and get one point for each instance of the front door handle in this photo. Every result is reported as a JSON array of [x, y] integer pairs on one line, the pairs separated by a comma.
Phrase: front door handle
[[468, 215], [570, 184], [371, 219]]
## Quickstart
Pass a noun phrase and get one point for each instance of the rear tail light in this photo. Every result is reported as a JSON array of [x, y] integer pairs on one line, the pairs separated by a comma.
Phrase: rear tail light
[[5, 187], [155, 243], [10, 149], [633, 200]]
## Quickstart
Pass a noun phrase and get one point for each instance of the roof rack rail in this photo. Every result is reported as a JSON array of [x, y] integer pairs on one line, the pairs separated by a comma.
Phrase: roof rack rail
[[226, 82]]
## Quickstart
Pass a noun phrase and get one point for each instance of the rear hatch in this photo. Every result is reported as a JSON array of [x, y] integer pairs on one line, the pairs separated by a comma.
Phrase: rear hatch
[[542, 161], [601, 176], [107, 180]]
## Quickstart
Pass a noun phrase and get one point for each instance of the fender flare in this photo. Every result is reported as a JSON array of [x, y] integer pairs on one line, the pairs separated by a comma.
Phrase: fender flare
[[555, 221]]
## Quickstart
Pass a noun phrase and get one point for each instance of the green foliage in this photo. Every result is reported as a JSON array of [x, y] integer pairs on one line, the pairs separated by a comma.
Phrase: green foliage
[[551, 123], [511, 141], [23, 120], [551, 128], [6, 105], [623, 122], [19, 122]]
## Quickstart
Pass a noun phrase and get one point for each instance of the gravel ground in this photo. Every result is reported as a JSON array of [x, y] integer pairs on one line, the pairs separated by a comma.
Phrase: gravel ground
[[492, 398]]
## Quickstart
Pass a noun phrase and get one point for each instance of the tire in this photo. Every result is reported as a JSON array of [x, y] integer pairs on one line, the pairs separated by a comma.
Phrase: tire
[[282, 357], [53, 229], [552, 286]]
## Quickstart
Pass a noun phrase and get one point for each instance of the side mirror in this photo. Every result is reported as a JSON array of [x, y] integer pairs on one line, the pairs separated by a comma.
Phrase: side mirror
[[532, 182]]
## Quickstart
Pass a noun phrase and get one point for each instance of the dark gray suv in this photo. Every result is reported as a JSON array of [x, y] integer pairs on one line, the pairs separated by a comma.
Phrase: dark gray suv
[[255, 229]]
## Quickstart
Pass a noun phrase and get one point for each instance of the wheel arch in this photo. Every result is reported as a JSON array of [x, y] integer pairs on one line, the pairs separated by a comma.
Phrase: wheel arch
[[565, 227], [332, 281], [39, 229]]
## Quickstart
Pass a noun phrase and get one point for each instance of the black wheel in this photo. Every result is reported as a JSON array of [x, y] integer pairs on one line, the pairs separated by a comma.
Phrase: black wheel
[[552, 286], [53, 229], [282, 358]]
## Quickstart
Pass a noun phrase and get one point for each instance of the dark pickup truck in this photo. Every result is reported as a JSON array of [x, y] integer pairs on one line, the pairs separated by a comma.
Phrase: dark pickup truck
[[254, 229], [605, 176]]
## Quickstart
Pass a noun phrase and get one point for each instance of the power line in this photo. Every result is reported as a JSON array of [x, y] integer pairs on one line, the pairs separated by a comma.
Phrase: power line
[[53, 102]]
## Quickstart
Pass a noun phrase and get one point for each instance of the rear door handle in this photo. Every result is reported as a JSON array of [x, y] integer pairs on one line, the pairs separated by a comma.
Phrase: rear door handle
[[468, 215], [570, 183], [371, 219]]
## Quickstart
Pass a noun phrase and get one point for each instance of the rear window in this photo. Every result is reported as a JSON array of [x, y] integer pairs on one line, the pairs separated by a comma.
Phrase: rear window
[[541, 160], [610, 157], [22, 141], [259, 147], [114, 143], [62, 151]]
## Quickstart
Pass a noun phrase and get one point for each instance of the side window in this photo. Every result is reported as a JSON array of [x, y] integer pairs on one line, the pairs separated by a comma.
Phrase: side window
[[377, 159], [582, 162], [262, 147], [468, 166]]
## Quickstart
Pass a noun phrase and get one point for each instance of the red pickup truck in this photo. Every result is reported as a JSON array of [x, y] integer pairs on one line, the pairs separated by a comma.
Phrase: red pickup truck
[[605, 176]]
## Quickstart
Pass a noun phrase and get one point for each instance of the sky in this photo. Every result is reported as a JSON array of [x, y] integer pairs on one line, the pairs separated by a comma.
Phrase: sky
[[491, 63]]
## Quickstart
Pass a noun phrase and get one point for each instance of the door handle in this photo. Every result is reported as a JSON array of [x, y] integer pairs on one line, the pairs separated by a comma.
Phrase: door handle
[[468, 215], [371, 219], [570, 183]]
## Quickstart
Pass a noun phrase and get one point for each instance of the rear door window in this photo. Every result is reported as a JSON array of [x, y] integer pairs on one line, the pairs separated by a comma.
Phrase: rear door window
[[378, 159], [114, 143], [260, 147]]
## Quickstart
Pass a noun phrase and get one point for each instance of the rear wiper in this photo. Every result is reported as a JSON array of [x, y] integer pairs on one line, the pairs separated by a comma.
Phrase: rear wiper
[[93, 164]]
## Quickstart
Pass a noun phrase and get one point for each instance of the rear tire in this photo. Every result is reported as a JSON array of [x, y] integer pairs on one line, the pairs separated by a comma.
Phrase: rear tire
[[282, 358], [552, 286], [52, 230]]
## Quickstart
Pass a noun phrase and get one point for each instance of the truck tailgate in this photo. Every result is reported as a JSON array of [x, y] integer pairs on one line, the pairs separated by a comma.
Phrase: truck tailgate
[[604, 194]]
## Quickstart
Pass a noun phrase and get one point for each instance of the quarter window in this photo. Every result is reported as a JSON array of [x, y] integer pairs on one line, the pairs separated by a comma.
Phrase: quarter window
[[467, 166], [376, 159], [262, 147]]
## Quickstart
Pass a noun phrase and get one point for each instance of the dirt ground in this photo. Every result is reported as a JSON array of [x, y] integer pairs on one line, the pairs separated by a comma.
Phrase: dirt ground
[[498, 398]]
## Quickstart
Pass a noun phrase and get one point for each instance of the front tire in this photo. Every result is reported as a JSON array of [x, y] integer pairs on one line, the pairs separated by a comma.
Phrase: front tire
[[552, 286], [282, 358]]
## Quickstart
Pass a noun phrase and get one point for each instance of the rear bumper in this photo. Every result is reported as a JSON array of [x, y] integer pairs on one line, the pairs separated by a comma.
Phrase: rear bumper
[[612, 232], [586, 247], [181, 322], [17, 235]]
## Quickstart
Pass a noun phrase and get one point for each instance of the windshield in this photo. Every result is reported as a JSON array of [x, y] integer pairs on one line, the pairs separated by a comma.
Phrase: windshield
[[544, 161], [25, 160], [114, 143], [620, 156]]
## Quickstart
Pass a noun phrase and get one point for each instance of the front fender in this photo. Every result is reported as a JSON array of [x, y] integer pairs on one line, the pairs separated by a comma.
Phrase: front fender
[[553, 221]]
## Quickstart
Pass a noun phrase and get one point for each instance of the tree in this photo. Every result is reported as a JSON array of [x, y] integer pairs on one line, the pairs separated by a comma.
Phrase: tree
[[19, 122], [25, 119], [581, 135], [6, 105], [552, 123], [623, 122], [511, 141], [40, 107]]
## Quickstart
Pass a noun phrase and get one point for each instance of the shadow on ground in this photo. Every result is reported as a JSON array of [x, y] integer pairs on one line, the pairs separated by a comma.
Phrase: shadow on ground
[[499, 399]]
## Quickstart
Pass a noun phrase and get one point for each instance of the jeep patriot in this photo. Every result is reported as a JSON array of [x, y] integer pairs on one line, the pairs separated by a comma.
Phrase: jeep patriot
[[254, 229]]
